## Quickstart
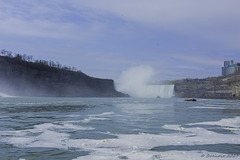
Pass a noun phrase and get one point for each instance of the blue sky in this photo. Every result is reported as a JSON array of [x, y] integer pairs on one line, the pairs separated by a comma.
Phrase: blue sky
[[103, 38]]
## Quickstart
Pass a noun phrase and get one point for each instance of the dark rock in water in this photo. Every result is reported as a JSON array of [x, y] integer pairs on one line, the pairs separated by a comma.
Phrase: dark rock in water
[[158, 97], [190, 99]]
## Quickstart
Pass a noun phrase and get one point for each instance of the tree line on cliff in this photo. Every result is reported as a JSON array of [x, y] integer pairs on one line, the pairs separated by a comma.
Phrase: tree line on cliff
[[28, 58]]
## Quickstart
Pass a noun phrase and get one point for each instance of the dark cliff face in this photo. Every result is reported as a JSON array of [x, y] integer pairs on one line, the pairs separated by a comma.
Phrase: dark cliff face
[[215, 87], [21, 78]]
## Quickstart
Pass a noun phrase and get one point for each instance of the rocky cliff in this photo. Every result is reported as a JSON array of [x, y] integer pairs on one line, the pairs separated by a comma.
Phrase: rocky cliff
[[227, 87], [22, 78]]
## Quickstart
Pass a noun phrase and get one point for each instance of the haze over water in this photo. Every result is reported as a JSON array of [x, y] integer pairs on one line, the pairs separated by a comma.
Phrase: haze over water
[[118, 128]]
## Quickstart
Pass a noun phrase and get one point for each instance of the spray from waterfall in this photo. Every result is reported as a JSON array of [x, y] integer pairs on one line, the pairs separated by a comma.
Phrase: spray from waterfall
[[135, 82], [4, 95]]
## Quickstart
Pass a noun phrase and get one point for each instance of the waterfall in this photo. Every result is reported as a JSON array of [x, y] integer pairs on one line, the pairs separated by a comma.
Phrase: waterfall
[[147, 91], [136, 82], [162, 91]]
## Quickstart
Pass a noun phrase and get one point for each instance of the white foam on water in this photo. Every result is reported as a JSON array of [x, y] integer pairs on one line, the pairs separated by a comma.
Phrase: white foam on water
[[60, 125], [228, 122], [50, 139], [203, 107], [73, 115], [103, 116], [232, 124], [89, 119], [47, 135], [99, 117], [130, 146], [138, 146]]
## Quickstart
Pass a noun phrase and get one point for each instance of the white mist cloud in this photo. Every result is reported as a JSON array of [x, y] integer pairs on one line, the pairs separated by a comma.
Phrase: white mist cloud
[[134, 80]]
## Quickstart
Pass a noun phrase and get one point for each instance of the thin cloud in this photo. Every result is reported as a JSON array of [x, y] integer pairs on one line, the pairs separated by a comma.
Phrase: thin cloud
[[211, 20], [121, 33], [198, 59], [36, 28]]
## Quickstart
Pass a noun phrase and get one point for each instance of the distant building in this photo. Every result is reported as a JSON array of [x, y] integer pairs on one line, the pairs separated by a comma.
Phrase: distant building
[[230, 67]]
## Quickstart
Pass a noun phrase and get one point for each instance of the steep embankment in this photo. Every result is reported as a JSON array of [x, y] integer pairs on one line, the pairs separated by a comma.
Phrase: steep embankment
[[216, 87], [22, 78]]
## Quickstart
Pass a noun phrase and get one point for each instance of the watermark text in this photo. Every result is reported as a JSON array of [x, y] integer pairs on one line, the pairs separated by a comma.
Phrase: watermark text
[[219, 155]]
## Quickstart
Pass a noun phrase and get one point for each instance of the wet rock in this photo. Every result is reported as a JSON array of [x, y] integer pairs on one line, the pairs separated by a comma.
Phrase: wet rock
[[190, 99]]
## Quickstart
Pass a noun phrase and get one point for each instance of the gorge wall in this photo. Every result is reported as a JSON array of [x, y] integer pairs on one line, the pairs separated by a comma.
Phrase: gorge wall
[[22, 78], [227, 87]]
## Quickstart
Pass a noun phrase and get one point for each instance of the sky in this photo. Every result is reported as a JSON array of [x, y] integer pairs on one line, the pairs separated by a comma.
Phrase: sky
[[103, 38]]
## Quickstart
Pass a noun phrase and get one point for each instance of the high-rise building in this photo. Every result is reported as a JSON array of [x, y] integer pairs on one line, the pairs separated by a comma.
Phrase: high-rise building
[[230, 67]]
